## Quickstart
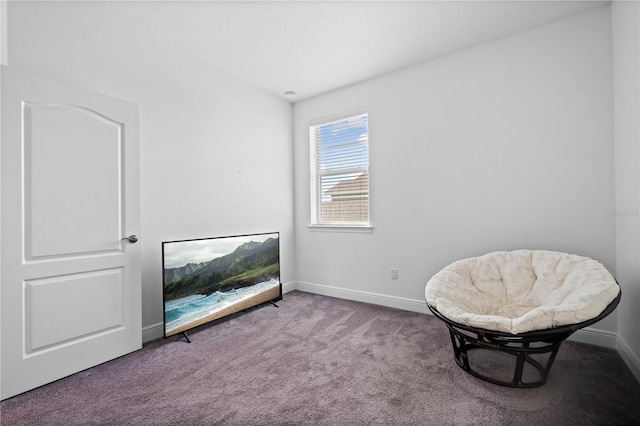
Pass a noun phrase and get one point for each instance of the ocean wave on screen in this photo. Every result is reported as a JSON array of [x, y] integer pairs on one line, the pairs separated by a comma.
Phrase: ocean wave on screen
[[188, 309]]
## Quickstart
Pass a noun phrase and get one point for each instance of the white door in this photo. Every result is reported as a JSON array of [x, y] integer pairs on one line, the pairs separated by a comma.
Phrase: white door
[[70, 285]]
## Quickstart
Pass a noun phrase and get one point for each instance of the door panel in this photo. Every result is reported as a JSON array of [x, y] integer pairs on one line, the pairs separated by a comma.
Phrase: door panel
[[48, 324], [70, 288], [92, 207]]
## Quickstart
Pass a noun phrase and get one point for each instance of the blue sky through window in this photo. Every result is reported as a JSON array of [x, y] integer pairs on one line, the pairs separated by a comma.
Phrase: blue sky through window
[[344, 151], [344, 144]]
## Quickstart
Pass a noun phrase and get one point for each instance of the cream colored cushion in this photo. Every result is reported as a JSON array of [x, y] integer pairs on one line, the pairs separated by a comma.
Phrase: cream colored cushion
[[523, 290]]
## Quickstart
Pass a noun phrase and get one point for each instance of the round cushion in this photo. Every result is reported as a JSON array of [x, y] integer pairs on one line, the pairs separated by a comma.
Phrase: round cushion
[[523, 290]]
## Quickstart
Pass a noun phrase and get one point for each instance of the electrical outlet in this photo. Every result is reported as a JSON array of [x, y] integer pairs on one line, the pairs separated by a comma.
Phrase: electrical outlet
[[394, 273]]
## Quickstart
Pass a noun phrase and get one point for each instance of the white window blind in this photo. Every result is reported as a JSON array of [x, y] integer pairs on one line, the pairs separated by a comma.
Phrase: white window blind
[[340, 171]]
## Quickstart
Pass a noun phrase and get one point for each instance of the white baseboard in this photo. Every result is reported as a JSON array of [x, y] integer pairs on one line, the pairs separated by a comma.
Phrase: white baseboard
[[152, 332], [406, 304], [290, 286], [594, 336], [630, 358]]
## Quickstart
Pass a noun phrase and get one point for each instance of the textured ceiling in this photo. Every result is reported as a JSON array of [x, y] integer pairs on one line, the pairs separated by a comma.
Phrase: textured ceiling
[[312, 47]]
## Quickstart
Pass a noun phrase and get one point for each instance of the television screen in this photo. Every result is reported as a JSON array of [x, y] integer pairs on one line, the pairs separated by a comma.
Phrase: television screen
[[209, 278]]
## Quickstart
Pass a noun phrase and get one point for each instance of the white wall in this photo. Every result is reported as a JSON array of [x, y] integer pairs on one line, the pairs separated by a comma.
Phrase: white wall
[[215, 152], [625, 18], [503, 146], [3, 32]]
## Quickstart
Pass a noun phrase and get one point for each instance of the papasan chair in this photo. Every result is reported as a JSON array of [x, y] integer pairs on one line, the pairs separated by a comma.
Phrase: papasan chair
[[508, 312]]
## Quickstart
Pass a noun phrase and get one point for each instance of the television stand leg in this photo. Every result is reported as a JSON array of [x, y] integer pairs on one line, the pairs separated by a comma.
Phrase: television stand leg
[[186, 336], [273, 303]]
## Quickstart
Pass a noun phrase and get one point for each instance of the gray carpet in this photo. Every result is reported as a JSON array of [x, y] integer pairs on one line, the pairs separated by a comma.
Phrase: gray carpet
[[317, 360]]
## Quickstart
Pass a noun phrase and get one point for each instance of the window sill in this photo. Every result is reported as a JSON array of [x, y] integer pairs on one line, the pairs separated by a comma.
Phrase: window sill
[[363, 229]]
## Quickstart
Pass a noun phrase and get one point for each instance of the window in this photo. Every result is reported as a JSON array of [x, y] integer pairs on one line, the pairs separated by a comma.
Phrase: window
[[340, 171]]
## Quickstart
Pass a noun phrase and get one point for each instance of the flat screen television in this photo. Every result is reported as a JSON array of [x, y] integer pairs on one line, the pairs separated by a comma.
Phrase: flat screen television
[[210, 278]]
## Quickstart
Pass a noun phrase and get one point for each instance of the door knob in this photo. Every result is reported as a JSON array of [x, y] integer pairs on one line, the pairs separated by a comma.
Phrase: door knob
[[131, 238]]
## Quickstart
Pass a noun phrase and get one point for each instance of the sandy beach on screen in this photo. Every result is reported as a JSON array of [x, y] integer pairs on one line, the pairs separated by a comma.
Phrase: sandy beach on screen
[[249, 302]]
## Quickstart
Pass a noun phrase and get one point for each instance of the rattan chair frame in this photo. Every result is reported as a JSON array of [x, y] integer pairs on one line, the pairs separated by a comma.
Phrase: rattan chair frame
[[522, 346]]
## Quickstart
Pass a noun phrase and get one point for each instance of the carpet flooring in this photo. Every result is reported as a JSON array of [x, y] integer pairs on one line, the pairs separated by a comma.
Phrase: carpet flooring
[[317, 360]]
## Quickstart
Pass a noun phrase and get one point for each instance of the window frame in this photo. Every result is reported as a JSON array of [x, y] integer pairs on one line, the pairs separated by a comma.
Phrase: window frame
[[316, 177]]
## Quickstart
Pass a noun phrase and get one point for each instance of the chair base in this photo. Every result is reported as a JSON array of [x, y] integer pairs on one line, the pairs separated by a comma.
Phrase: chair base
[[533, 352], [526, 371]]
